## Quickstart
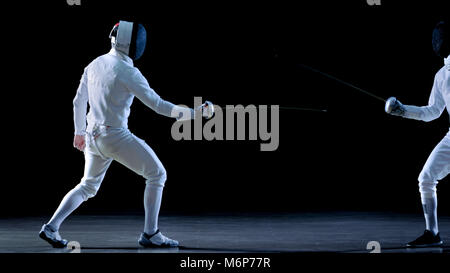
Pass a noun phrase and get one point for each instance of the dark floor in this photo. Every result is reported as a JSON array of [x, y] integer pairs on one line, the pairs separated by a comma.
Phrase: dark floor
[[347, 232]]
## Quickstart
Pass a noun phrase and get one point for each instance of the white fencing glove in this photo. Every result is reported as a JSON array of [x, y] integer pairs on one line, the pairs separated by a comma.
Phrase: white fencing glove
[[207, 109], [394, 107]]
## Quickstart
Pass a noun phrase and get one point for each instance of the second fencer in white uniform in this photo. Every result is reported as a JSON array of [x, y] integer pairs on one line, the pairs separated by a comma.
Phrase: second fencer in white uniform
[[438, 164], [109, 85]]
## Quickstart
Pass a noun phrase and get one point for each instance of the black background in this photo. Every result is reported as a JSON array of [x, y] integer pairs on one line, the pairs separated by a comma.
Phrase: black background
[[354, 157]]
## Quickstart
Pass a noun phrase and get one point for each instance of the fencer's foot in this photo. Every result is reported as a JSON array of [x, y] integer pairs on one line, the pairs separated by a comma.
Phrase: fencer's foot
[[428, 239], [156, 240], [52, 236]]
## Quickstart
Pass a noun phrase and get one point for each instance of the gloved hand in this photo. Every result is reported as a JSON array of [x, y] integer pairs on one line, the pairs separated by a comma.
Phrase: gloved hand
[[207, 109], [394, 107]]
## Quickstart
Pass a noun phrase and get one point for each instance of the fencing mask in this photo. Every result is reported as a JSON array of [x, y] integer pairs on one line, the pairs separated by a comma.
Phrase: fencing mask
[[441, 39], [129, 38]]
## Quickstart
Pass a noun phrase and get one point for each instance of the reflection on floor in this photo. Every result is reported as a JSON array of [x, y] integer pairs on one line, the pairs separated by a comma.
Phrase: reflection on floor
[[346, 232]]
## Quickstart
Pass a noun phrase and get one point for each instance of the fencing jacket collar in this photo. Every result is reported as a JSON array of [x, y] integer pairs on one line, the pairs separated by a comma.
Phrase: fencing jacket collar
[[121, 55]]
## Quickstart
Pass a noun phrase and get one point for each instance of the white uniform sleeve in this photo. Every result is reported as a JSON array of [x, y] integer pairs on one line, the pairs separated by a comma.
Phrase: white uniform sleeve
[[137, 84], [433, 110], [80, 106]]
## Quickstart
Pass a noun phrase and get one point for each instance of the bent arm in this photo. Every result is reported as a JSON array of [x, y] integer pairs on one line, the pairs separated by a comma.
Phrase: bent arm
[[433, 110], [80, 106], [140, 88]]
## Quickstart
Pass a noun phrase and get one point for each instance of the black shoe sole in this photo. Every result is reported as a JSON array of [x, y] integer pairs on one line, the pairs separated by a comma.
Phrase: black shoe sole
[[157, 246], [51, 242], [439, 244]]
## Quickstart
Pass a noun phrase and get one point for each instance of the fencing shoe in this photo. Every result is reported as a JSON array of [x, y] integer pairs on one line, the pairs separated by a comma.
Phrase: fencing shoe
[[156, 240], [428, 239], [52, 236]]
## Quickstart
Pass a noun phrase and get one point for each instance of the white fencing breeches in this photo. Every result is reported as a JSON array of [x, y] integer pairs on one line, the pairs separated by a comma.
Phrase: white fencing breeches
[[103, 145], [436, 168]]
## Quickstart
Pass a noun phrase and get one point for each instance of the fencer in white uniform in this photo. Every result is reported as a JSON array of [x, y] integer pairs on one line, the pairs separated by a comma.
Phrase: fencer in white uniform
[[109, 85], [438, 164]]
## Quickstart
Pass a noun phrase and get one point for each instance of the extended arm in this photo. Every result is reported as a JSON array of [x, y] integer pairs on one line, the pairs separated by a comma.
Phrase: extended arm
[[433, 110], [139, 87]]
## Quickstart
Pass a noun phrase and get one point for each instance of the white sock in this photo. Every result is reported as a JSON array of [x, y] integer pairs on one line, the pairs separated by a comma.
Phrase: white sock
[[70, 202], [152, 203], [429, 205]]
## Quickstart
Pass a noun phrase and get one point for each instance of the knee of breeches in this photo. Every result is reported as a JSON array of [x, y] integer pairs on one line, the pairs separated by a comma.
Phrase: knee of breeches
[[426, 175], [427, 188], [157, 177], [87, 190]]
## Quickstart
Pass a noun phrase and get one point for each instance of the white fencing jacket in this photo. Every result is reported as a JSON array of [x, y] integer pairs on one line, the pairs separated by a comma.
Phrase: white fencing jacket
[[439, 97], [109, 84]]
